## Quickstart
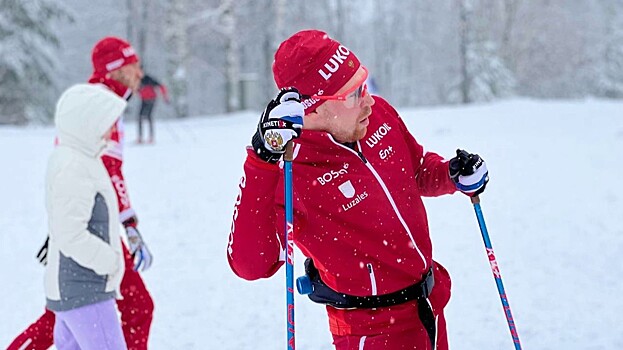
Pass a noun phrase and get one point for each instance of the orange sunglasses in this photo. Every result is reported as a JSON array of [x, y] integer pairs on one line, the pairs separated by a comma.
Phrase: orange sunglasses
[[352, 97]]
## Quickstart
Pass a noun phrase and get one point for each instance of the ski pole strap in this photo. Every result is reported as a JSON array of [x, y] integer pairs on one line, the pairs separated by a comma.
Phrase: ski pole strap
[[323, 294]]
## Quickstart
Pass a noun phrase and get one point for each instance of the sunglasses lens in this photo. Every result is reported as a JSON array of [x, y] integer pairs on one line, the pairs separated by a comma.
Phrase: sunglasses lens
[[355, 98], [352, 100]]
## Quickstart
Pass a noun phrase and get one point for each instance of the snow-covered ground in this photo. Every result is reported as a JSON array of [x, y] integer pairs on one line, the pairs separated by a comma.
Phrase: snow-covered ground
[[553, 209]]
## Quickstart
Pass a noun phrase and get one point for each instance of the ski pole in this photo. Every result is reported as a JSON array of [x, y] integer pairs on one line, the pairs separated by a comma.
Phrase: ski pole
[[289, 231], [496, 272]]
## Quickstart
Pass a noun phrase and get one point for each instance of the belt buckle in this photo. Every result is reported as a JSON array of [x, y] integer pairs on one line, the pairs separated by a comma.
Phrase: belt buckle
[[428, 282]]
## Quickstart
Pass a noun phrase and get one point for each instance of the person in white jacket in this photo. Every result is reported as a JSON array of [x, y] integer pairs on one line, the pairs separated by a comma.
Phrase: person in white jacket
[[85, 260]]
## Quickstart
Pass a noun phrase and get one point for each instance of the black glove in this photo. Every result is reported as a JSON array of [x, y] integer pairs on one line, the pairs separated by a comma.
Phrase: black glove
[[469, 173], [42, 255], [281, 122]]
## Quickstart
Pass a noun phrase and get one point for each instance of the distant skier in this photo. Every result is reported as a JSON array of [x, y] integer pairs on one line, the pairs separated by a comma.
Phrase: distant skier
[[116, 68], [148, 101], [358, 177]]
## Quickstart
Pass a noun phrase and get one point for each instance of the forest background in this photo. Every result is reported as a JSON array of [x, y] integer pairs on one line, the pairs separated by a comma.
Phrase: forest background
[[215, 56]]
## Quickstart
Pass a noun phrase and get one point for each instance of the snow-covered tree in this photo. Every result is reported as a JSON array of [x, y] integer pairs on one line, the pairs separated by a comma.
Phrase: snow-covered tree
[[178, 55], [28, 44], [213, 54], [484, 74], [489, 76], [509, 15], [139, 24]]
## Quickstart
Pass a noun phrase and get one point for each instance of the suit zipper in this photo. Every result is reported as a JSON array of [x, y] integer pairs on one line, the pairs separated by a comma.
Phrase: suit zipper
[[365, 161], [387, 194], [372, 278]]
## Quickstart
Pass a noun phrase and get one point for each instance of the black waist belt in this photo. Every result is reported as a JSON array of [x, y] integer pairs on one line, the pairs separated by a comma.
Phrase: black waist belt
[[420, 291], [323, 294]]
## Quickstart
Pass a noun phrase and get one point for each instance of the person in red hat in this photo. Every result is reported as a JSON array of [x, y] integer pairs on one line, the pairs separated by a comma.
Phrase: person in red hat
[[116, 67], [358, 179]]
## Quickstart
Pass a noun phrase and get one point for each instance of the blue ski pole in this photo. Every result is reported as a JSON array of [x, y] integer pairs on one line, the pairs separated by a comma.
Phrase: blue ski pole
[[496, 272], [289, 231]]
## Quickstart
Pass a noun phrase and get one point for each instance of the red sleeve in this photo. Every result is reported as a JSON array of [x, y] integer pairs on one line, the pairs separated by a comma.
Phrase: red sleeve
[[165, 94], [431, 170], [113, 166], [433, 177], [256, 248]]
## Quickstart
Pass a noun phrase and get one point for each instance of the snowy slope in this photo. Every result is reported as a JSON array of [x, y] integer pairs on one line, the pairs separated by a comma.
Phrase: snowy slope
[[553, 210]]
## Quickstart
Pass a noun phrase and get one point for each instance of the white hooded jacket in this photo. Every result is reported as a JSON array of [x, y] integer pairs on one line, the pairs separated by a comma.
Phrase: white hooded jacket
[[85, 260]]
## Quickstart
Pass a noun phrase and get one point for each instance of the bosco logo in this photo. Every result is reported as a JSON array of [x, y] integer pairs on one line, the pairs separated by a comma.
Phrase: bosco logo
[[332, 175]]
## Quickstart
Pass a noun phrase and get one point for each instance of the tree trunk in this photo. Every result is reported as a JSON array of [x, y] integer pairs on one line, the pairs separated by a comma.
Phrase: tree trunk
[[177, 42], [510, 13], [130, 20], [464, 42], [143, 29], [232, 58]]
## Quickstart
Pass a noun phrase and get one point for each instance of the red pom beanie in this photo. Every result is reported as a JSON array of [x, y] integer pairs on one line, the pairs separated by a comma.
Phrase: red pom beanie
[[315, 64], [112, 53]]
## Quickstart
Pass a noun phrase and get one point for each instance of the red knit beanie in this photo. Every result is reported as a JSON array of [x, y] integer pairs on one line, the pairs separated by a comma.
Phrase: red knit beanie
[[315, 64], [112, 53]]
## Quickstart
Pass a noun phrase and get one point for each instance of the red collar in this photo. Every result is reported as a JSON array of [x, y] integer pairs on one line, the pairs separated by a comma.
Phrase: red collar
[[115, 86]]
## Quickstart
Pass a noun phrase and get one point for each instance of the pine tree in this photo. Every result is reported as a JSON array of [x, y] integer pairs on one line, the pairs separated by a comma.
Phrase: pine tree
[[28, 44]]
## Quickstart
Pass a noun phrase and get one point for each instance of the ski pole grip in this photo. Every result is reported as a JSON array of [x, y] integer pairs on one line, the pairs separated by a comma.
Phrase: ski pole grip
[[289, 150]]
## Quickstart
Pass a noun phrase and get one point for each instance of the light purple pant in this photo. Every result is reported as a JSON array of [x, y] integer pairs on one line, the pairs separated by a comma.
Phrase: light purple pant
[[91, 327]]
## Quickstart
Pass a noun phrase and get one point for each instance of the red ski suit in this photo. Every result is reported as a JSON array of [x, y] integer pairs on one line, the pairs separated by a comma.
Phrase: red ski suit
[[359, 215], [137, 306]]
